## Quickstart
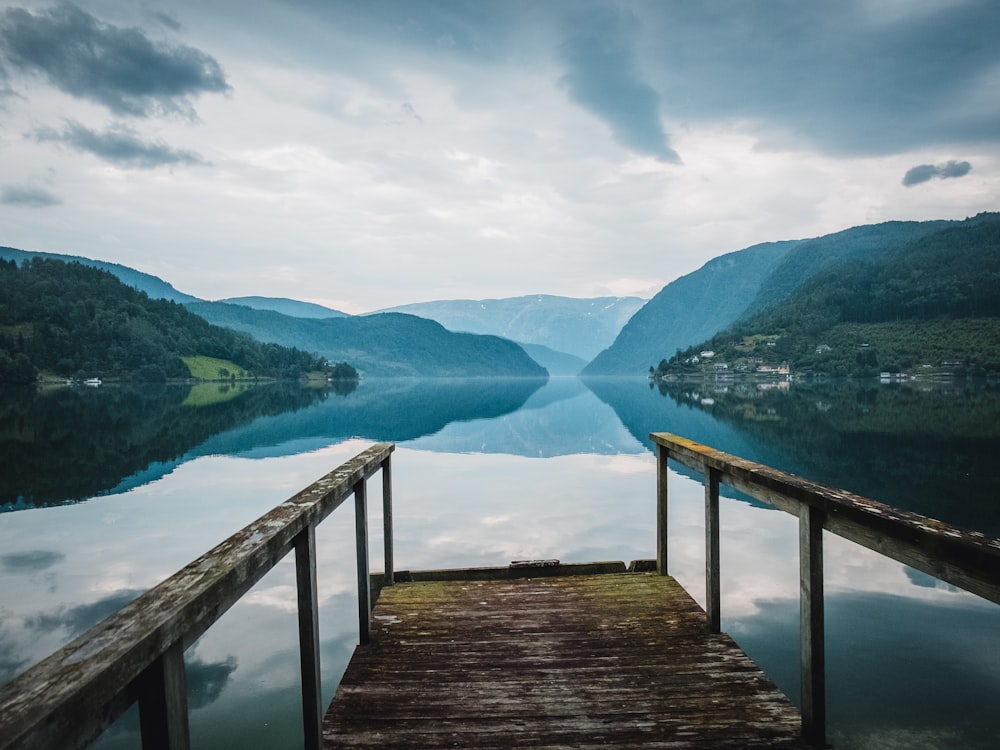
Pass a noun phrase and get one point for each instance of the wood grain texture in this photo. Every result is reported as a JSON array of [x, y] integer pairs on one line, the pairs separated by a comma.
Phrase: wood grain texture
[[617, 660]]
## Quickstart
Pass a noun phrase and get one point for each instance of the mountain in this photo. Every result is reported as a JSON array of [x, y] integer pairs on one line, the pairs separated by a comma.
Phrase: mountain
[[557, 363], [154, 287], [731, 287], [385, 344], [74, 320], [926, 305], [850, 246], [291, 307], [690, 309], [581, 327]]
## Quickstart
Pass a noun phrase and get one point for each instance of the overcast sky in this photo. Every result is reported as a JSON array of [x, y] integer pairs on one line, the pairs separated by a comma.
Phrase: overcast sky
[[367, 154]]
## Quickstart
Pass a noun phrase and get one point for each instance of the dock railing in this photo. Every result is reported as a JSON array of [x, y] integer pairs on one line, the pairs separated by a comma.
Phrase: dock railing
[[968, 560], [137, 654]]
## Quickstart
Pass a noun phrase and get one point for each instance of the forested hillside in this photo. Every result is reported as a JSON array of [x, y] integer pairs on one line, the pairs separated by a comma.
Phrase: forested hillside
[[930, 303], [292, 307], [728, 289], [383, 344], [691, 309], [73, 320], [153, 286]]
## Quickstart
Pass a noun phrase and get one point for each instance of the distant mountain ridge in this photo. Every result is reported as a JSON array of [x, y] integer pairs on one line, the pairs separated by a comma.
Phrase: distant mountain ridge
[[153, 286], [581, 327], [285, 306], [618, 336]]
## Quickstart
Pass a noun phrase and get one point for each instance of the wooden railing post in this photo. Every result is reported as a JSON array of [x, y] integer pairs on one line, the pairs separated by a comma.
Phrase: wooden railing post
[[389, 577], [712, 586], [361, 543], [811, 630], [163, 708], [305, 574], [662, 454]]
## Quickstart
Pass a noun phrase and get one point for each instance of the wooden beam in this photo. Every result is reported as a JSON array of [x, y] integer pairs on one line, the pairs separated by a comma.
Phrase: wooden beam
[[388, 577], [309, 660], [662, 456], [713, 594], [163, 708], [361, 545], [812, 637]]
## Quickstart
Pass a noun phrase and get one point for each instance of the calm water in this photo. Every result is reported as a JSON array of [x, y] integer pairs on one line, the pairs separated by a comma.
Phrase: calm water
[[108, 491]]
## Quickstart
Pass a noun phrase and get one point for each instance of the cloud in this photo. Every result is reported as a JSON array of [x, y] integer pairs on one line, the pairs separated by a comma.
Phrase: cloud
[[849, 78], [119, 145], [166, 19], [81, 617], [30, 561], [410, 112], [602, 77], [207, 680], [14, 195], [119, 68], [925, 172]]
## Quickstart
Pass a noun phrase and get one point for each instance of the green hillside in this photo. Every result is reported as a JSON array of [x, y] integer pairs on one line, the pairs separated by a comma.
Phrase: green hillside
[[930, 304], [153, 286], [73, 320], [383, 344], [733, 287], [690, 309]]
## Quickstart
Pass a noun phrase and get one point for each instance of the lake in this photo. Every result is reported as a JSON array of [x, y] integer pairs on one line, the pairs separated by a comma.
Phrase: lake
[[108, 491]]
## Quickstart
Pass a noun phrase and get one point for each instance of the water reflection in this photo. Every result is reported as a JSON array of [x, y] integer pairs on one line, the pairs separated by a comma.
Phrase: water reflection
[[66, 445], [917, 448], [30, 561], [485, 473], [74, 620]]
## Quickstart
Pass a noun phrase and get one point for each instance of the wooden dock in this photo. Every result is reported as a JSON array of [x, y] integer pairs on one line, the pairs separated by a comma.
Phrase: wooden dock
[[541, 659]]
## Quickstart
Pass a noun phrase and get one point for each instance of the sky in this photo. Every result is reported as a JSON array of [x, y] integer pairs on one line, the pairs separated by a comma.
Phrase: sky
[[363, 155]]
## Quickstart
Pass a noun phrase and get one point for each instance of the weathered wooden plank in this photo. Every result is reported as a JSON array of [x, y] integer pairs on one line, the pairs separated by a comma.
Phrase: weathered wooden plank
[[713, 587], [812, 656], [361, 550], [662, 509], [617, 660], [388, 577], [309, 645]]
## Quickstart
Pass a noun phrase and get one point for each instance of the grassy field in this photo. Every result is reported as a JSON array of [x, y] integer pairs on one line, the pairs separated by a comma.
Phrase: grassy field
[[210, 368], [206, 394]]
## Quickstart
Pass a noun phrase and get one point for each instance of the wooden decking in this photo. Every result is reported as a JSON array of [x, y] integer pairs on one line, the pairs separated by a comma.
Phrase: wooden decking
[[616, 660]]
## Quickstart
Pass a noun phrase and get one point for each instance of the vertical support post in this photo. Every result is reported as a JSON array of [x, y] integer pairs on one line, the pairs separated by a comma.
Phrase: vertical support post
[[712, 587], [387, 521], [163, 709], [305, 575], [662, 454], [811, 626], [361, 544]]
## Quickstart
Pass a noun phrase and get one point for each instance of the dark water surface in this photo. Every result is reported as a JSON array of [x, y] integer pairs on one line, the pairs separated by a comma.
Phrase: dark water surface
[[110, 490]]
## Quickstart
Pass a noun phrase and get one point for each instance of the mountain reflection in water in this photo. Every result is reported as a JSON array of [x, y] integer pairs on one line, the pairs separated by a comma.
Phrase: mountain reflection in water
[[489, 471]]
